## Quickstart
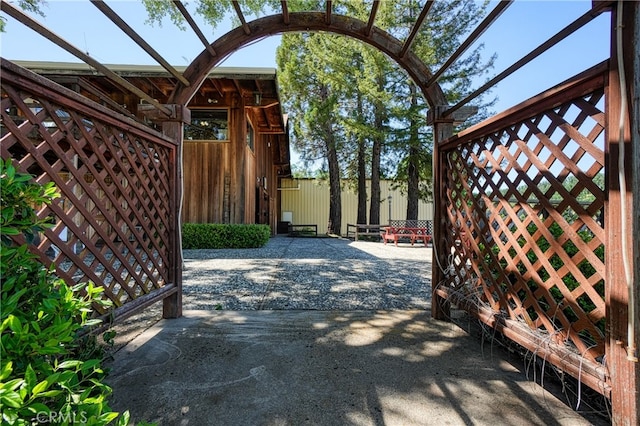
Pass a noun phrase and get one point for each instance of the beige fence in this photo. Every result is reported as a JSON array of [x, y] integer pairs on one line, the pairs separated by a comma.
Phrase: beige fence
[[306, 201]]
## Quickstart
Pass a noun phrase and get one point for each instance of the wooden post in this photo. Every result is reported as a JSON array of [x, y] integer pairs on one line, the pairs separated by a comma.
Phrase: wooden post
[[238, 126], [172, 305], [442, 129], [633, 59], [619, 223]]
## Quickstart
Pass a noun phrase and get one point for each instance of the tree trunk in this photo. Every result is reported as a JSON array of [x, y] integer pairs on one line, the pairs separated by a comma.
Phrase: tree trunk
[[362, 182], [374, 208], [412, 187], [413, 175], [376, 152], [362, 171], [335, 201]]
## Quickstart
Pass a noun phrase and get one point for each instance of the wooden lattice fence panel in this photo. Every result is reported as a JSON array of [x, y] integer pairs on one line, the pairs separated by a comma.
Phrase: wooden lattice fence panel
[[115, 219], [523, 220], [427, 224]]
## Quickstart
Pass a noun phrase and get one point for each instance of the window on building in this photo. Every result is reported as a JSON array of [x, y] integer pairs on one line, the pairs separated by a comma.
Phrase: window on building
[[208, 125]]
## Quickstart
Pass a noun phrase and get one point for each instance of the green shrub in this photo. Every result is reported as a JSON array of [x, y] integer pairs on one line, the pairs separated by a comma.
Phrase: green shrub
[[220, 236], [47, 373]]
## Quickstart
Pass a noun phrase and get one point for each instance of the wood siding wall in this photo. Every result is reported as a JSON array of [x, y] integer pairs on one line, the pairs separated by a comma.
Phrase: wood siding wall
[[228, 182], [206, 169]]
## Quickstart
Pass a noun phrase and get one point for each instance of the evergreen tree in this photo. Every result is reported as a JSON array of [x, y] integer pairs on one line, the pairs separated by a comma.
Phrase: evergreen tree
[[371, 119], [317, 134]]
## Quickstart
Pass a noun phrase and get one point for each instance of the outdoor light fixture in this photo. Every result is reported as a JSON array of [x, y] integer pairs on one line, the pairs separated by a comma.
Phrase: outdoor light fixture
[[212, 101], [257, 98]]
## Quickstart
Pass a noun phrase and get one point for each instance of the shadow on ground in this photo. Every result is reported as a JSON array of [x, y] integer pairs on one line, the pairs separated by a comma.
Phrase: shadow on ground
[[323, 368], [309, 273], [320, 332]]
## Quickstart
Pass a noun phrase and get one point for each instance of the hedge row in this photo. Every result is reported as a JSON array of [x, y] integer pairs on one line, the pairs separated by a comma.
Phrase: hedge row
[[218, 236]]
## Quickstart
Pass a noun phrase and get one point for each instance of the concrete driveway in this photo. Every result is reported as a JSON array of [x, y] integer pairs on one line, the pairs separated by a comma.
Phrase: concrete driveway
[[323, 367]]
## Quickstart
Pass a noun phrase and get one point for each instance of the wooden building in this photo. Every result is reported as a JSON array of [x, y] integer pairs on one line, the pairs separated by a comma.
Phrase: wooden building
[[236, 147]]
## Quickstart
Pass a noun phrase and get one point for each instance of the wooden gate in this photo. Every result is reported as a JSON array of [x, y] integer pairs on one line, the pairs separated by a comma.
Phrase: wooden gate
[[116, 222], [522, 224]]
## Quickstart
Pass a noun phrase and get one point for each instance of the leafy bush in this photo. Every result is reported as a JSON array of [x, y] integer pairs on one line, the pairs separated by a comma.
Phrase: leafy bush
[[47, 373], [219, 236]]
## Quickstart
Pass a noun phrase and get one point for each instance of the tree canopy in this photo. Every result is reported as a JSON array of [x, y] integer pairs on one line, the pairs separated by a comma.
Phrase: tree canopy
[[354, 112], [377, 112]]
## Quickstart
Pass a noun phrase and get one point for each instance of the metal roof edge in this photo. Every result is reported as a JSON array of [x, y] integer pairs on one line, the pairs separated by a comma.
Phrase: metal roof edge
[[220, 72]]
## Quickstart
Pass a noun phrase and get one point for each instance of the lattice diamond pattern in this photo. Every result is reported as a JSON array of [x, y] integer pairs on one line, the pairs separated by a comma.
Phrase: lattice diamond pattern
[[112, 221], [524, 213]]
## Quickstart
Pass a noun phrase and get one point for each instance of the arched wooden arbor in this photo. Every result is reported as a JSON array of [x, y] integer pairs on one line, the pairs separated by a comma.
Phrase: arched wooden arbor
[[305, 22], [499, 274]]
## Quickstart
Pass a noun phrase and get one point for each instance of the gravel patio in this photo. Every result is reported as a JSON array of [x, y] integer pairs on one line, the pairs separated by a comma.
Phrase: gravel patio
[[299, 274], [320, 331], [310, 274]]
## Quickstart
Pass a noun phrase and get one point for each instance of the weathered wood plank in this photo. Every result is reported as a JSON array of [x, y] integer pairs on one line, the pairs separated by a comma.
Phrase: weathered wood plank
[[620, 206]]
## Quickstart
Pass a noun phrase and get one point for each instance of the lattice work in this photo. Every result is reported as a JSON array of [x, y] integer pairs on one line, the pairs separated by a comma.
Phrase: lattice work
[[524, 222], [428, 224], [115, 178]]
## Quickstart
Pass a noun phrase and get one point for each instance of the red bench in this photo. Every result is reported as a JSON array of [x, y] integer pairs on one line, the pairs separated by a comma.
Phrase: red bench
[[392, 233]]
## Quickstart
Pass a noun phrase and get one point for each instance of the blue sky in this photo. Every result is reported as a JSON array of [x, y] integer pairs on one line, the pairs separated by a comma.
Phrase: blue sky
[[522, 27]]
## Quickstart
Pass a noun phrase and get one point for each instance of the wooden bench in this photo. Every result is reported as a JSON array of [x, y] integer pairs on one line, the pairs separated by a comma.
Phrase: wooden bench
[[301, 230], [359, 230]]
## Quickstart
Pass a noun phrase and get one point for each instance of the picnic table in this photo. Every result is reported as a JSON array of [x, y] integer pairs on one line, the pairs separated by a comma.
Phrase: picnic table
[[394, 233]]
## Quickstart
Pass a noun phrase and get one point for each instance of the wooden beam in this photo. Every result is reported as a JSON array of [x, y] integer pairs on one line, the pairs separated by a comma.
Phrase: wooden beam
[[144, 84], [245, 26], [596, 4], [490, 19], [265, 116], [218, 86], [120, 23], [442, 130], [270, 102], [305, 22], [585, 82], [236, 83], [372, 17], [259, 85], [81, 83], [273, 130], [621, 215], [15, 13], [416, 28], [11, 72], [328, 12], [179, 113], [104, 97], [132, 307], [564, 33], [194, 26], [559, 355], [172, 304], [285, 12]]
